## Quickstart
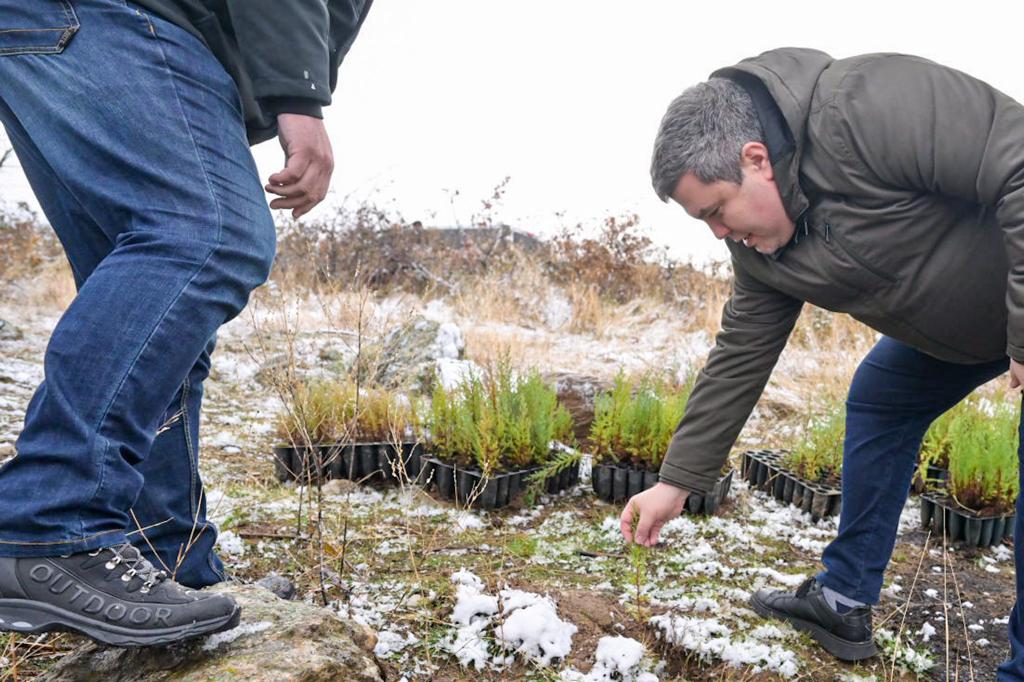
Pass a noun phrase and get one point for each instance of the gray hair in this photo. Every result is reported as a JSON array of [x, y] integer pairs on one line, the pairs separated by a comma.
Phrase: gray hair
[[703, 132]]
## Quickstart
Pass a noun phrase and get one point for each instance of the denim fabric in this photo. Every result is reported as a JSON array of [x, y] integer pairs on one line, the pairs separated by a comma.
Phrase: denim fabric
[[895, 395], [131, 135]]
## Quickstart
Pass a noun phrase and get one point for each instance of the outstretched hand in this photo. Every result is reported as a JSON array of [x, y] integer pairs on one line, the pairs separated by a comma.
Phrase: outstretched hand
[[653, 508], [1016, 374], [309, 162]]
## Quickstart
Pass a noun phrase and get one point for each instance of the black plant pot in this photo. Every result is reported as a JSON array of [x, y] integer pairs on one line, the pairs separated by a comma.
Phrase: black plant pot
[[764, 470], [942, 515], [284, 468], [299, 463], [615, 484]]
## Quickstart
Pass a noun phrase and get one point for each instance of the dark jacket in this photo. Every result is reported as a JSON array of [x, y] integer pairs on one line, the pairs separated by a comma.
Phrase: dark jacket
[[906, 181], [282, 54]]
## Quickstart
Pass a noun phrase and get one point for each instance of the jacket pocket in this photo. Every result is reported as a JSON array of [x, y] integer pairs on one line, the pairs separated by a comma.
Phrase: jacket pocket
[[37, 27], [850, 266]]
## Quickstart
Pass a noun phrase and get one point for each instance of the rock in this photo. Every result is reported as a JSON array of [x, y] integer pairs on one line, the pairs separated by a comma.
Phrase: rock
[[279, 585], [8, 332], [577, 392], [276, 641], [338, 486], [411, 351], [273, 370]]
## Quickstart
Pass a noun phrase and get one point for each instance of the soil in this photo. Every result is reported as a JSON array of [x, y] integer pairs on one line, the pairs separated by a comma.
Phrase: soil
[[991, 596]]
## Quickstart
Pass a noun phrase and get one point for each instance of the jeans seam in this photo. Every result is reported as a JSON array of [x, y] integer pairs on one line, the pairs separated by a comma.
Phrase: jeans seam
[[189, 449]]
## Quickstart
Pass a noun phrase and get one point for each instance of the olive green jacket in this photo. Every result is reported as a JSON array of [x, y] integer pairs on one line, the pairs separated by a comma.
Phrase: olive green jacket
[[905, 179]]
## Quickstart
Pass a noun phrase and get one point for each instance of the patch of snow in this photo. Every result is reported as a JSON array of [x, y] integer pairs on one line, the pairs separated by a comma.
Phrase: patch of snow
[[469, 521], [389, 642], [448, 343], [231, 544], [709, 639], [529, 626], [534, 630], [927, 631], [451, 372], [227, 636]]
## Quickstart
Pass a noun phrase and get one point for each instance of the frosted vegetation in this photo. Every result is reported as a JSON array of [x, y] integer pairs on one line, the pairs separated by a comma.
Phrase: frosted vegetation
[[498, 351]]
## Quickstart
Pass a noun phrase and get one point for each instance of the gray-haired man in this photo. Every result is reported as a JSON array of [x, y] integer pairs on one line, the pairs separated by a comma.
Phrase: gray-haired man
[[884, 186]]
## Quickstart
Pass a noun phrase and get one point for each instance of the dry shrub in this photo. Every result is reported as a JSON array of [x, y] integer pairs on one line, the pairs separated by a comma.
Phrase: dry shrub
[[26, 243], [510, 291], [486, 347], [52, 285], [589, 312]]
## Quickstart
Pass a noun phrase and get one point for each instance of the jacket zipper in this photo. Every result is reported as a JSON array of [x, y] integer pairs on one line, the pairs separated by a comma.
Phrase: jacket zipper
[[853, 254]]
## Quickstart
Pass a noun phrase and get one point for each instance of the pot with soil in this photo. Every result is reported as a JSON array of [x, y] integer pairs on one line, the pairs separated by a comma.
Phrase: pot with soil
[[976, 505], [494, 434], [808, 475], [306, 428], [633, 425]]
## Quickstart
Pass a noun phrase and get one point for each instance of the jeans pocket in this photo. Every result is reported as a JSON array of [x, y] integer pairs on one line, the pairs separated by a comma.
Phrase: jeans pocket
[[37, 27]]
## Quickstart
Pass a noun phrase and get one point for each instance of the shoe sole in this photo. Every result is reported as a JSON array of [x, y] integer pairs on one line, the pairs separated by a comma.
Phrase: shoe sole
[[32, 617], [843, 649]]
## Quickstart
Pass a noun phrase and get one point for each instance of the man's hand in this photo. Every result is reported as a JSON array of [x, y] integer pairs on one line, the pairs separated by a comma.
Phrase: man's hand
[[309, 163], [654, 507], [1016, 374]]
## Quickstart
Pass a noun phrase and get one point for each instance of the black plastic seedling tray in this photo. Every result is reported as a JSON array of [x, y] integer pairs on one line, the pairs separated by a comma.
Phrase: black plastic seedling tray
[[615, 484], [764, 470], [470, 486], [358, 462], [940, 513]]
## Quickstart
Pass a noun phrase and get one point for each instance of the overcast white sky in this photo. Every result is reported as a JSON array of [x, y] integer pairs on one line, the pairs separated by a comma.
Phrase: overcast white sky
[[565, 96]]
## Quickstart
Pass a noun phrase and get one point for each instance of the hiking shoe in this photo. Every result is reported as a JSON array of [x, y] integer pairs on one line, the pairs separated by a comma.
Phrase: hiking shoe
[[111, 595], [846, 636]]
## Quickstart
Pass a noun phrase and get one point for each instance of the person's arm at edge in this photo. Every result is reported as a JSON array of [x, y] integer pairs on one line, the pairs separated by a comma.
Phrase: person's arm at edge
[[756, 324]]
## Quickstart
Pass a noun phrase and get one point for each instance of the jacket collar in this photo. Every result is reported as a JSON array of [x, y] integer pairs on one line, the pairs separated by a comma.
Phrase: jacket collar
[[781, 83]]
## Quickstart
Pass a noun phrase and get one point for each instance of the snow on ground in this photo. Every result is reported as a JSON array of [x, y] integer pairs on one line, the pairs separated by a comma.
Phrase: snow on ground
[[695, 586], [491, 632]]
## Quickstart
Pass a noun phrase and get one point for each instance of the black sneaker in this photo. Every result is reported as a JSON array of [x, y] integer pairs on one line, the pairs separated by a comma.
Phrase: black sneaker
[[846, 636], [112, 595]]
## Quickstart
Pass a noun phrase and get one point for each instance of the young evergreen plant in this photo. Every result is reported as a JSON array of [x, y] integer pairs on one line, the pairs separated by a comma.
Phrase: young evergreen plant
[[983, 466], [817, 455], [634, 423], [318, 413], [498, 421]]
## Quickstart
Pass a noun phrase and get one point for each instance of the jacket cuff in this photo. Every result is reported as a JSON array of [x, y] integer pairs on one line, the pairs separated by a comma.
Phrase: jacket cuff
[[293, 105], [687, 480]]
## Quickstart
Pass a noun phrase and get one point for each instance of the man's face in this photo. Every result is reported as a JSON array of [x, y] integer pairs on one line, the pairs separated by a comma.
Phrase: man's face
[[751, 212]]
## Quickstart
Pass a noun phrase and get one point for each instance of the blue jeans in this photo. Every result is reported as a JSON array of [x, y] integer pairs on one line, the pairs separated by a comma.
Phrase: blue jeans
[[895, 395], [131, 135]]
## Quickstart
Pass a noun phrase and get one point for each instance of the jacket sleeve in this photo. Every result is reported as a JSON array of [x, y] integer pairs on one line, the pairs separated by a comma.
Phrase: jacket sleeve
[[756, 323], [905, 122], [292, 48]]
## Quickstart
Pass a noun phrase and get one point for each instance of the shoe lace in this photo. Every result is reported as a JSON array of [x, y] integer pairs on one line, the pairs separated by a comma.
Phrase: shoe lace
[[135, 565]]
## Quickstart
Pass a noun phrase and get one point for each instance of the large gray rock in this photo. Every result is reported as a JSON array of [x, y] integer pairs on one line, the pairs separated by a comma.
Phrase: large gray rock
[[8, 332], [277, 640], [411, 352], [577, 392]]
